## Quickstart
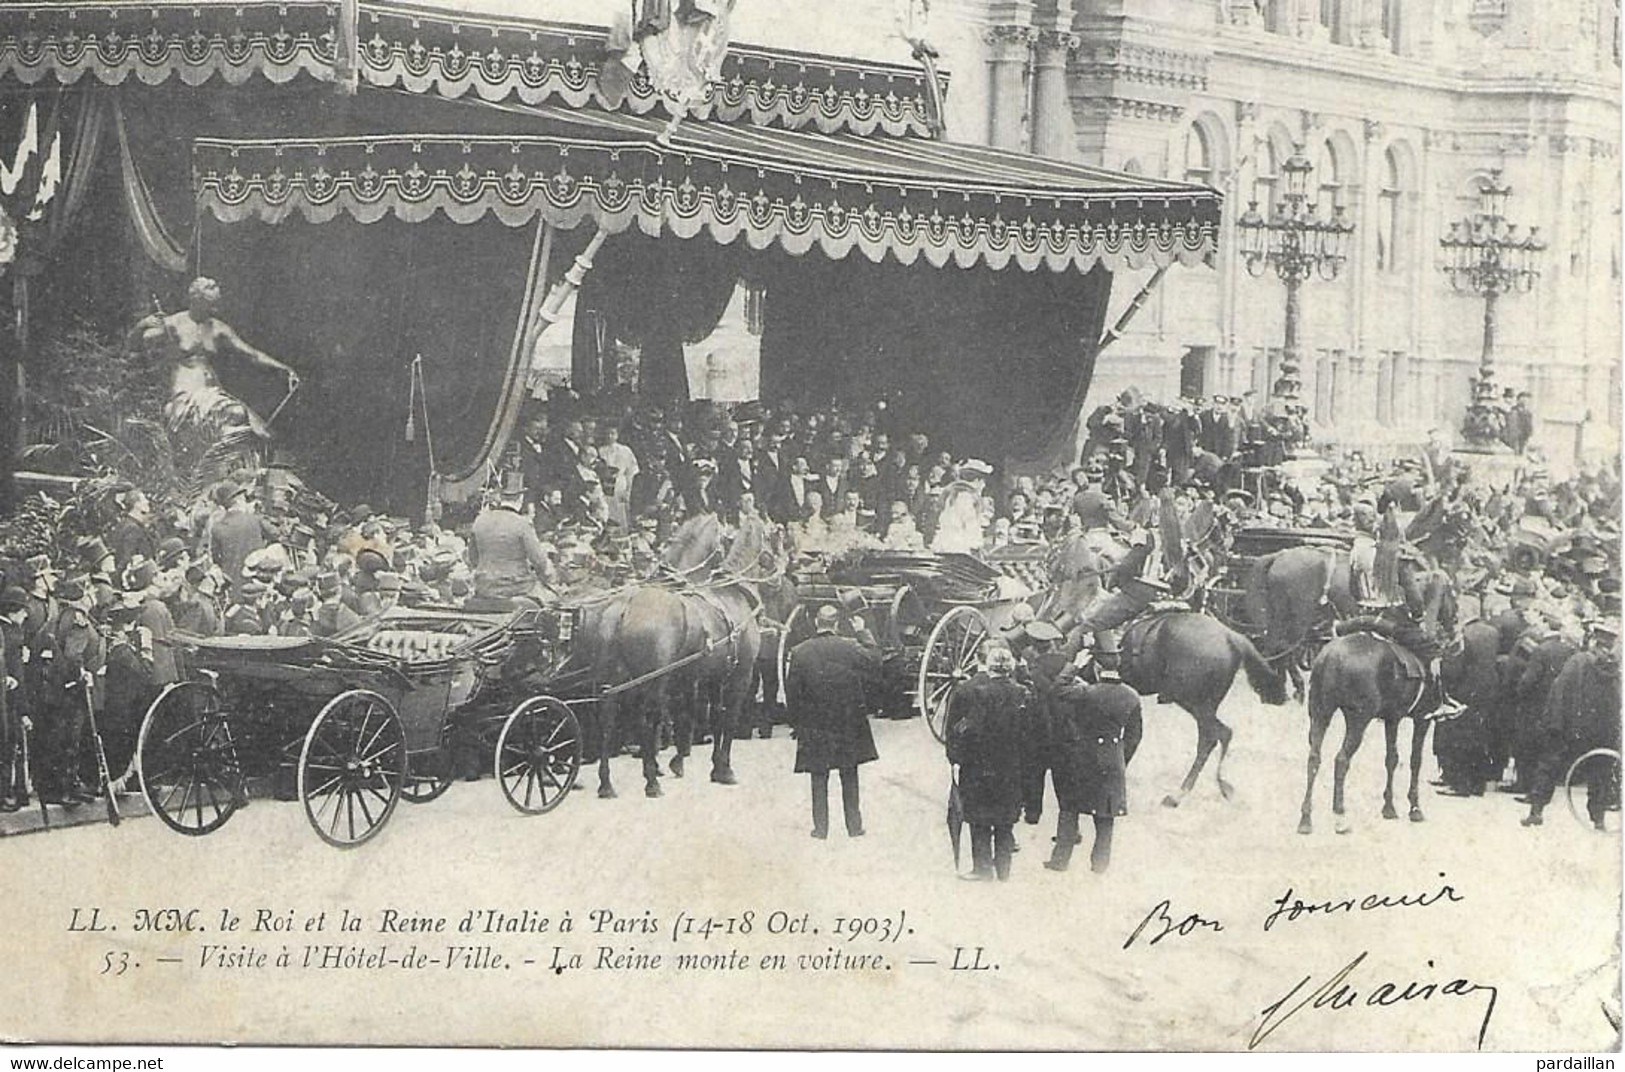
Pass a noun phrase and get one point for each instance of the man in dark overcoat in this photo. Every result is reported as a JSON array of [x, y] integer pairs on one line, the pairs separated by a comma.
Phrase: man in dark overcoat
[[1582, 713], [1096, 727], [984, 740], [14, 707], [828, 687]]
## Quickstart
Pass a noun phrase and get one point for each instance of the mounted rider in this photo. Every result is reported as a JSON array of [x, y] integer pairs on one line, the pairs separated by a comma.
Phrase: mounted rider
[[1407, 618], [1153, 570]]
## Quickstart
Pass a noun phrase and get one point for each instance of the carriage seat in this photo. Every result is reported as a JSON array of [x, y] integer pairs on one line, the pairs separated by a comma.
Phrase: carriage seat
[[414, 645]]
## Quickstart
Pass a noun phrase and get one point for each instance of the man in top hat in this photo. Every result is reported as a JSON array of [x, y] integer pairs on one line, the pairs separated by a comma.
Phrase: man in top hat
[[234, 534], [1582, 713], [1519, 427], [984, 740], [508, 557], [830, 685]]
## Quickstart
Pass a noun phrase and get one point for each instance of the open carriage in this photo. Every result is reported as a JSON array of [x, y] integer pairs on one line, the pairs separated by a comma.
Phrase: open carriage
[[1227, 593], [930, 612], [355, 723]]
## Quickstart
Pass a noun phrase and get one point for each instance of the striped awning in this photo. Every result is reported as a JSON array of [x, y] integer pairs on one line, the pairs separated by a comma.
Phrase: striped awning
[[905, 198], [428, 48]]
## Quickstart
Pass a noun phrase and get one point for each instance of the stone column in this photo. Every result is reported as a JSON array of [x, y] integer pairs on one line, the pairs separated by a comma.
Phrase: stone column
[[1011, 61], [1053, 130]]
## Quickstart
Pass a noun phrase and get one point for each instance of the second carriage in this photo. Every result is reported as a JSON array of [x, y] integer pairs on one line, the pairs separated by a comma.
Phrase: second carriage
[[930, 612], [353, 724]]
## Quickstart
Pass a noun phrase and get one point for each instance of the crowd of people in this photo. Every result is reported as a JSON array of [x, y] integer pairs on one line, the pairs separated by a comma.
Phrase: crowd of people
[[590, 496]]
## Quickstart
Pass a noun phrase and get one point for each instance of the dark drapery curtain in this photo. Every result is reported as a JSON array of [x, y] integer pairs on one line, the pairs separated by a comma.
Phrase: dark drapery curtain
[[996, 362], [350, 306], [659, 294]]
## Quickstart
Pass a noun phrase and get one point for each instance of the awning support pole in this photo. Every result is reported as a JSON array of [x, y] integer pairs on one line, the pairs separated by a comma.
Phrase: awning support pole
[[1133, 310], [553, 307]]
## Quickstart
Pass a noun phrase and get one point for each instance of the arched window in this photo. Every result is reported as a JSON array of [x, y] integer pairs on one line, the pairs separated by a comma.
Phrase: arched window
[[1391, 24], [1264, 176], [1275, 16], [1198, 156], [1391, 238], [1329, 174], [1133, 167]]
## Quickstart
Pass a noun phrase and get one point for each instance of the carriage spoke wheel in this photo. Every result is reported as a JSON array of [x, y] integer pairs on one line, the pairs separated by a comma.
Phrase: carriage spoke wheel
[[1596, 772], [538, 755], [949, 658], [187, 761], [422, 788], [352, 768]]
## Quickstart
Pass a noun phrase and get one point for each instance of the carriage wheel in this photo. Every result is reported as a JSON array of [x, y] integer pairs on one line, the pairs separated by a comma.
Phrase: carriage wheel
[[353, 768], [420, 789], [187, 761], [1598, 771], [793, 632], [949, 658], [538, 755]]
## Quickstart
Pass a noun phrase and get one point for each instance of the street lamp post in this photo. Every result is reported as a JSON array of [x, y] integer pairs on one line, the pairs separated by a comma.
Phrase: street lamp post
[[1298, 241], [1486, 255]]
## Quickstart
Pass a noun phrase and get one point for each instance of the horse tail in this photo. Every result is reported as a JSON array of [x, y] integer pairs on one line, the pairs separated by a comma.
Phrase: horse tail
[[1323, 701], [1266, 680]]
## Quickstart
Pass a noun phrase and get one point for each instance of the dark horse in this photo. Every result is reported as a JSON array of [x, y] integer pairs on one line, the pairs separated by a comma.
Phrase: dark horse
[[1295, 595], [697, 639], [1366, 676], [1191, 659]]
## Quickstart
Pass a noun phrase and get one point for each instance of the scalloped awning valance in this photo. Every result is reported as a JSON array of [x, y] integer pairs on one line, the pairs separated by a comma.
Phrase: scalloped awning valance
[[426, 48], [798, 190]]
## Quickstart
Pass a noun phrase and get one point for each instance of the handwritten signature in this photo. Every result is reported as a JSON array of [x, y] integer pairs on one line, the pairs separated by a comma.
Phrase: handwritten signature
[[1339, 993]]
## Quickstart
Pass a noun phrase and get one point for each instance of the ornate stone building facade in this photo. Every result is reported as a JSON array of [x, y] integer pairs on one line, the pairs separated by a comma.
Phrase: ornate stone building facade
[[1403, 106]]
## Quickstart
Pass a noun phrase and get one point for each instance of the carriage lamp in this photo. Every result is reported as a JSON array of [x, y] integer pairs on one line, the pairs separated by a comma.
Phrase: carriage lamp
[[1488, 256], [1296, 240]]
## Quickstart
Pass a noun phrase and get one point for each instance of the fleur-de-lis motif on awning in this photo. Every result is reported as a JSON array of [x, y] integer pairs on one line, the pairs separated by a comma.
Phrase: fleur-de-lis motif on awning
[[280, 46]]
